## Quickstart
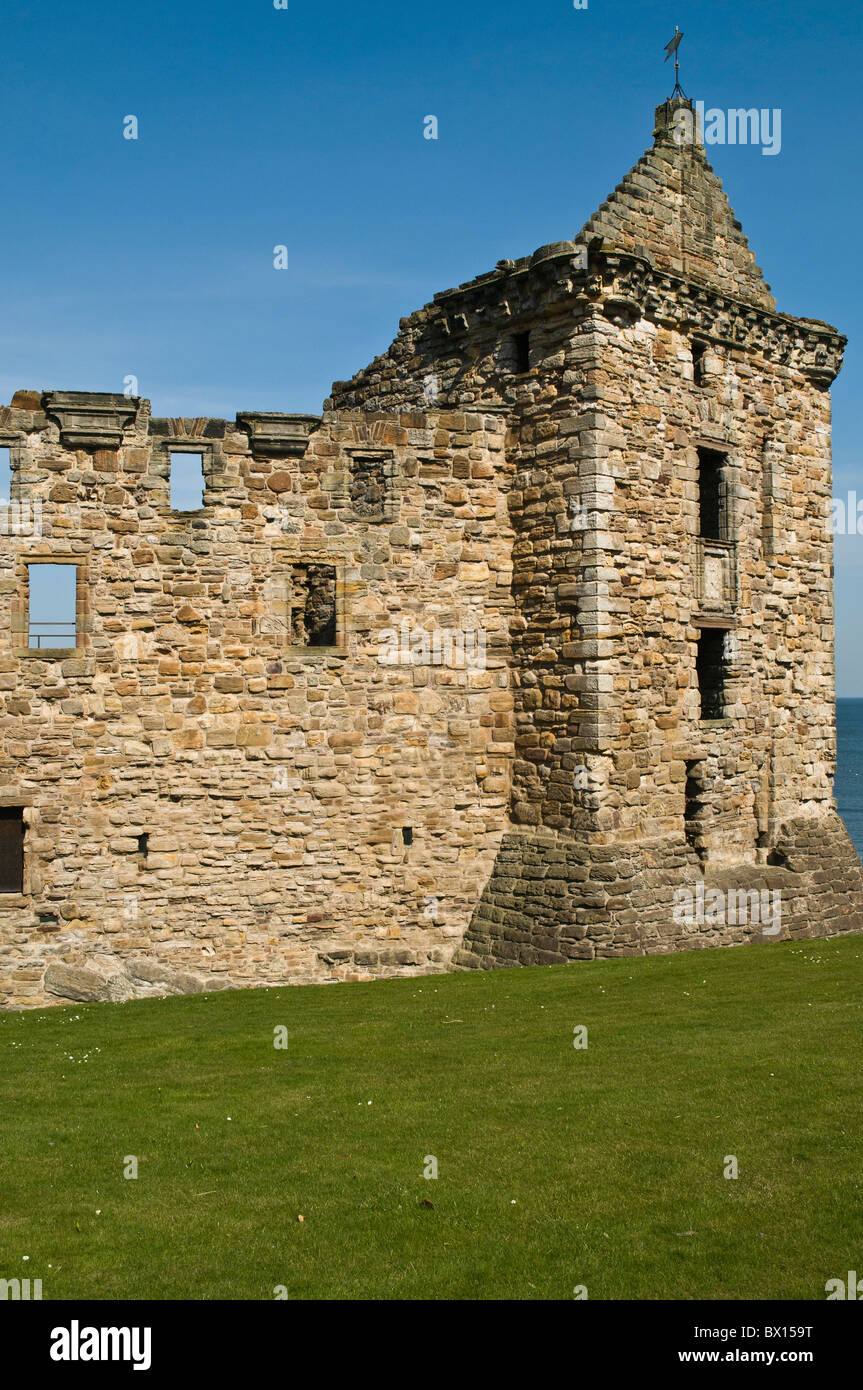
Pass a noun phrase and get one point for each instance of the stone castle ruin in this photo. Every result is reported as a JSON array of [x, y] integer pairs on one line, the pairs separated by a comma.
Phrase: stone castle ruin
[[274, 748]]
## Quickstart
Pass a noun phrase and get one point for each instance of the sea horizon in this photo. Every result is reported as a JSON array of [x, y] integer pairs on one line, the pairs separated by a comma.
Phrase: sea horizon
[[849, 765]]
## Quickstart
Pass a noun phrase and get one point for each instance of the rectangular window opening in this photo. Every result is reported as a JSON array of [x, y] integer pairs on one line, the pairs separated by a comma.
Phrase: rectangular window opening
[[11, 849], [52, 593], [5, 475], [712, 672], [313, 606], [712, 508], [187, 481], [521, 345], [407, 834]]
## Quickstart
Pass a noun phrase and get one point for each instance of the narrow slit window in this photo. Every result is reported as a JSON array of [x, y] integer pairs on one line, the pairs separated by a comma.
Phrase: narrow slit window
[[770, 498], [187, 481], [51, 602], [521, 345], [5, 475], [407, 835], [712, 672], [712, 496], [698, 353], [694, 792], [11, 849]]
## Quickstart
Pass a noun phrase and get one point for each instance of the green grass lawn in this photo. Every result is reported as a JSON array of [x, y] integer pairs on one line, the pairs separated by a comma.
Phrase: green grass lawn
[[557, 1166]]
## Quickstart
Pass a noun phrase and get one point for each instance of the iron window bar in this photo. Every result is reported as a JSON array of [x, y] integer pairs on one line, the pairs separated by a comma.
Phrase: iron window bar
[[38, 639]]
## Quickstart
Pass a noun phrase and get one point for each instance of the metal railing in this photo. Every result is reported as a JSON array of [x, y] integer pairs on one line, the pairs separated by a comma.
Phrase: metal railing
[[40, 638]]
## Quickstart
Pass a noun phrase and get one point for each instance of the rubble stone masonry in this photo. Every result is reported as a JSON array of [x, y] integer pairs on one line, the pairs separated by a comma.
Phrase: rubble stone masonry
[[611, 460]]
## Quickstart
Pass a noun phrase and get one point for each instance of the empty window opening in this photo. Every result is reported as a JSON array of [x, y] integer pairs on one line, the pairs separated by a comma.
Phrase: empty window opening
[[313, 605], [5, 475], [698, 353], [712, 510], [368, 486], [51, 606], [11, 849], [144, 844], [187, 481], [694, 802], [712, 672], [521, 344], [407, 834]]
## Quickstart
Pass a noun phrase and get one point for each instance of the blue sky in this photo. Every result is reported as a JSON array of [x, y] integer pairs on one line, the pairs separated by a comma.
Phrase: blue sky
[[304, 127]]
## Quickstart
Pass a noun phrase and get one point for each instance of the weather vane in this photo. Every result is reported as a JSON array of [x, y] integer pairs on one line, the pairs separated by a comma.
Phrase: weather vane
[[672, 47]]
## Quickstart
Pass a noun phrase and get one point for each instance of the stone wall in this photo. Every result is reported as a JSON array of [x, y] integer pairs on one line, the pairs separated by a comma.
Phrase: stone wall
[[310, 812], [425, 682]]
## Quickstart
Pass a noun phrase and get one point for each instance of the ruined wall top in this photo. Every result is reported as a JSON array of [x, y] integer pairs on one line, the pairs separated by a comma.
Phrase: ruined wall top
[[665, 244]]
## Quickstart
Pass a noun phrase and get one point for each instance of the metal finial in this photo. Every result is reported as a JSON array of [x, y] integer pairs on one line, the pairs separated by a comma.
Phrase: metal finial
[[672, 47]]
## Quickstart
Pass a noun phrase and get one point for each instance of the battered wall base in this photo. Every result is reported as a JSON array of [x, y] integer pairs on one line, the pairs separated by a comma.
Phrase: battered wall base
[[551, 899]]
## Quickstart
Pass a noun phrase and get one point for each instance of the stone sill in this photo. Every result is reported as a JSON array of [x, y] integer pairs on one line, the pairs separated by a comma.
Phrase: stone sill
[[167, 513], [716, 723], [48, 653], [14, 900], [303, 655]]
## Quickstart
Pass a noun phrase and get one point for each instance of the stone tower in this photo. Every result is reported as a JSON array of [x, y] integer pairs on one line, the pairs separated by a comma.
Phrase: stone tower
[[270, 752], [672, 572]]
